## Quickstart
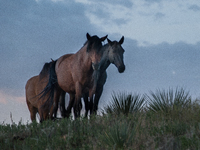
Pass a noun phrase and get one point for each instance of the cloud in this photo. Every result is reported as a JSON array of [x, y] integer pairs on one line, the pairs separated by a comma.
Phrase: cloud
[[106, 12], [153, 1], [5, 97], [157, 66], [152, 22], [33, 32], [159, 16], [127, 3], [194, 8]]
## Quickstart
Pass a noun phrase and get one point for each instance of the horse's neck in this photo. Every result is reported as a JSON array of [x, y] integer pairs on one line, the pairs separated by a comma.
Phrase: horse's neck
[[83, 57], [105, 65], [105, 62], [82, 50]]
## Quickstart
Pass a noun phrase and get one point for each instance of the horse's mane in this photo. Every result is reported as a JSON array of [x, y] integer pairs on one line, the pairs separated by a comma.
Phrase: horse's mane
[[93, 40], [105, 47], [85, 42]]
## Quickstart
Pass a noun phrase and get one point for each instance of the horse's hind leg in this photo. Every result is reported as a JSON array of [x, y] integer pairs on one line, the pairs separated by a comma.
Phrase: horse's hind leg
[[32, 110], [54, 107], [43, 113]]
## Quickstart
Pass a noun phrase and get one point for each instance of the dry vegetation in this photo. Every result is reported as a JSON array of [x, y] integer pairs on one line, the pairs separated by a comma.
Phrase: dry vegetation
[[161, 120]]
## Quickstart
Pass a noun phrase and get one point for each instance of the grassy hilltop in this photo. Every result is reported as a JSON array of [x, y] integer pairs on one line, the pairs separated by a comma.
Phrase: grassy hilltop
[[161, 120]]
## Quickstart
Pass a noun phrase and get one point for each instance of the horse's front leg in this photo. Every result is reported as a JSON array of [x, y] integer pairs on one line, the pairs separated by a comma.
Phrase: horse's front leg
[[78, 96], [85, 97], [98, 94], [70, 105], [91, 95]]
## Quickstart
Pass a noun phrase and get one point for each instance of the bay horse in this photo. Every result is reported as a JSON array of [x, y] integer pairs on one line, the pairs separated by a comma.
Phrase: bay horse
[[75, 74], [112, 53], [33, 88]]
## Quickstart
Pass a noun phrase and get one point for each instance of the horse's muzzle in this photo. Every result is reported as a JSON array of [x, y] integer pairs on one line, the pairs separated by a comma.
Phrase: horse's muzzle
[[121, 69]]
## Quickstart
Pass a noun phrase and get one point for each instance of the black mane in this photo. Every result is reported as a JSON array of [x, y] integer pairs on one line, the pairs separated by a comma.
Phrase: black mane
[[94, 40]]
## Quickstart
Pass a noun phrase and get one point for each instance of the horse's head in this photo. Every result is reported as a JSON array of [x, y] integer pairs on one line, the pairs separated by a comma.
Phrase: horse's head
[[116, 54], [93, 49]]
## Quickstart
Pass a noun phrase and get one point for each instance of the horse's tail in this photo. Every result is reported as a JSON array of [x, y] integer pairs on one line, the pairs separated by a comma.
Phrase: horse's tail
[[45, 70], [50, 87]]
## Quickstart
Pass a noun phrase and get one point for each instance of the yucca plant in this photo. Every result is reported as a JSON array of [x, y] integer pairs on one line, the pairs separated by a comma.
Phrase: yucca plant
[[167, 101], [118, 136], [124, 103]]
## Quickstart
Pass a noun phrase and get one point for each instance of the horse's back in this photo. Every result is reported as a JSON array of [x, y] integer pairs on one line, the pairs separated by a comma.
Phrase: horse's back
[[63, 58], [31, 83], [64, 71]]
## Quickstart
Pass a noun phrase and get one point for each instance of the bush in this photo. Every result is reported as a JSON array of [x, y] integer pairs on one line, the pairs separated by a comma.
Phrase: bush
[[125, 104], [168, 101], [120, 135]]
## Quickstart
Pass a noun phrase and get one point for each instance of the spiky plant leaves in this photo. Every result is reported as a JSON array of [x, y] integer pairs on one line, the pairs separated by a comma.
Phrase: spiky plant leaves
[[119, 136], [167, 101], [124, 103]]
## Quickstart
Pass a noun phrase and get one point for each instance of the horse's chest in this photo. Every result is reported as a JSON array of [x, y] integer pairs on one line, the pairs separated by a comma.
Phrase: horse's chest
[[86, 80]]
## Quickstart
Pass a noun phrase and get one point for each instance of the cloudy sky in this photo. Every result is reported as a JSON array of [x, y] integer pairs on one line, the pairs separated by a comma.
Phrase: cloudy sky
[[162, 44]]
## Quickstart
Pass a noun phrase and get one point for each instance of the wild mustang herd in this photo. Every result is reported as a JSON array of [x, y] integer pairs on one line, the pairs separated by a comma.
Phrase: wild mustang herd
[[82, 74]]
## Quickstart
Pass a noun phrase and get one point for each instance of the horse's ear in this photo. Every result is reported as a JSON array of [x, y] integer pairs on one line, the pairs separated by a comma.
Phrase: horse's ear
[[103, 38], [109, 41], [88, 36], [121, 40], [52, 60]]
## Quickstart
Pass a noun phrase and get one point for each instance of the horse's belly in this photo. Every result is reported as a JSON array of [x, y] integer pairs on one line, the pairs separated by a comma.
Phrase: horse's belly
[[67, 86]]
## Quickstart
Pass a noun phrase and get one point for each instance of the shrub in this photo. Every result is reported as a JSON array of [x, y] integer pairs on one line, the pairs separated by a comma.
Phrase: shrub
[[168, 101], [118, 136], [124, 104]]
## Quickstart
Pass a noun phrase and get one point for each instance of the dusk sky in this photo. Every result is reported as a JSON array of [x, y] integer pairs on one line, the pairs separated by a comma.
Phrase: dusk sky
[[162, 44]]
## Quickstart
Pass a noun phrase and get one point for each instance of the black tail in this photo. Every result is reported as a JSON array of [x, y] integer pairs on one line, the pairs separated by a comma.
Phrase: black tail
[[50, 87], [45, 70]]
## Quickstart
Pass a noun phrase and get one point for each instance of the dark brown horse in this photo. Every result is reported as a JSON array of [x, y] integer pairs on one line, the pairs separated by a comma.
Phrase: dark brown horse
[[112, 53], [75, 74]]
